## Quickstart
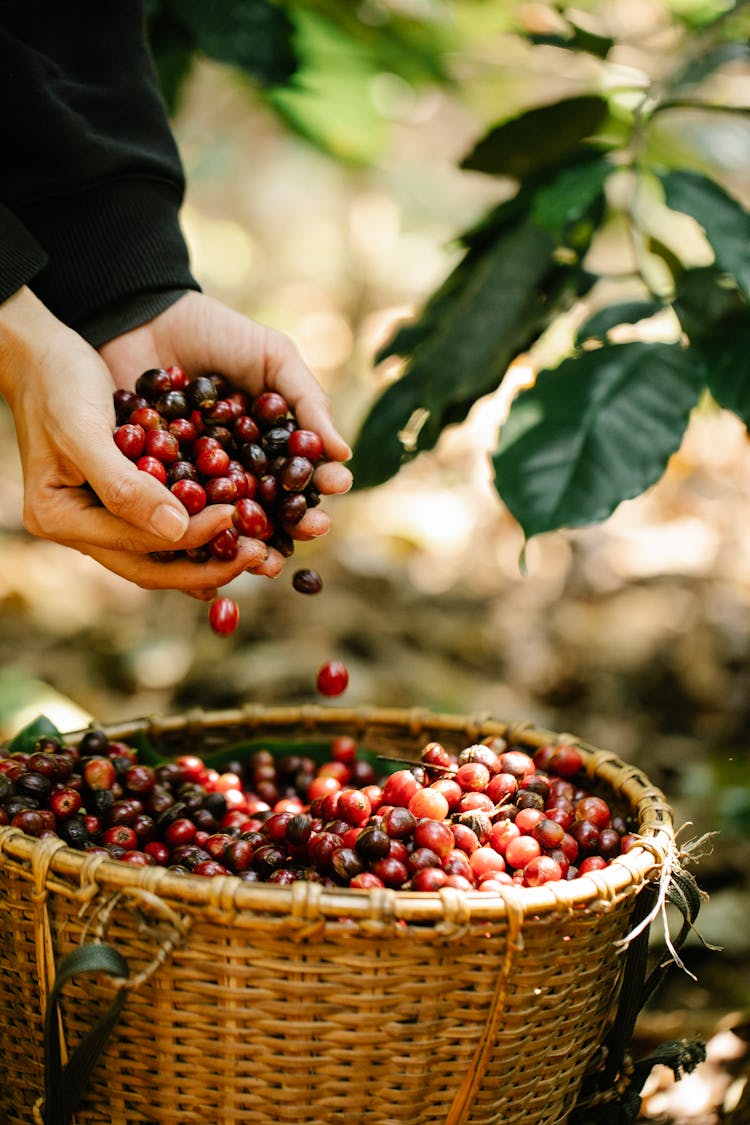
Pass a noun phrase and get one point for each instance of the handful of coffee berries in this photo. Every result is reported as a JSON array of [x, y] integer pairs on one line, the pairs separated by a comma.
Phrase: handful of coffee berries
[[210, 443], [478, 820]]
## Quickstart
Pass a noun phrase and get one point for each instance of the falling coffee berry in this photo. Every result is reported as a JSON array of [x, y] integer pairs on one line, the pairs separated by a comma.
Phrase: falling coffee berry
[[307, 581]]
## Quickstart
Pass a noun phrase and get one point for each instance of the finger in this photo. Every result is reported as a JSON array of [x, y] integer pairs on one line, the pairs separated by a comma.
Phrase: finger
[[202, 595], [128, 356], [333, 478], [289, 374], [313, 524], [271, 567], [135, 497], [64, 508], [312, 409], [215, 338], [198, 578]]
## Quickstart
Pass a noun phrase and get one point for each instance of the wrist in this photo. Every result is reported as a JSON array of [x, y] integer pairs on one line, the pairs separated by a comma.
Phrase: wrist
[[26, 327]]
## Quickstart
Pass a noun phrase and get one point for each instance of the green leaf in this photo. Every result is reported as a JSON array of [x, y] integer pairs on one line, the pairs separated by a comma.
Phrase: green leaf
[[330, 100], [481, 317], [726, 223], [413, 47], [727, 358], [707, 62], [539, 138], [254, 35], [598, 430], [379, 452], [604, 320], [717, 321], [173, 50], [577, 40], [40, 727], [499, 218], [499, 221], [572, 205], [703, 300], [591, 42]]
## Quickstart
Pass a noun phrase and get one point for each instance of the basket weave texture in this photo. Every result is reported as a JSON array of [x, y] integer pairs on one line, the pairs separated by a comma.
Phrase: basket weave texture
[[258, 1004]]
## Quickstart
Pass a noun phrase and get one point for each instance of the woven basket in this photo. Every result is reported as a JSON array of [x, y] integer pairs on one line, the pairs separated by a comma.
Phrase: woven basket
[[266, 1004]]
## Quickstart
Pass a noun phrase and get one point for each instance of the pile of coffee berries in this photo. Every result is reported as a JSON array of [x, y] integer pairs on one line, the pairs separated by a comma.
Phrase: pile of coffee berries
[[487, 817], [210, 444]]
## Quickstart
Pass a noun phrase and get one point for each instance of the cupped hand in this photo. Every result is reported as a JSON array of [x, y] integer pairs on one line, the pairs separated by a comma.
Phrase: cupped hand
[[79, 490], [201, 335]]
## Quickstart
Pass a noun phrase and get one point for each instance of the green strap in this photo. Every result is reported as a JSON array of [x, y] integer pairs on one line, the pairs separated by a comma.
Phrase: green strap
[[64, 1085]]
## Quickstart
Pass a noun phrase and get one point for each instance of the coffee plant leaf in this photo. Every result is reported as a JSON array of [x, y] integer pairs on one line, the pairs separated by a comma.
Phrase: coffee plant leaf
[[572, 204], [39, 727], [485, 233], [725, 222], [560, 288], [173, 51], [254, 35], [716, 318], [329, 101], [538, 138], [492, 305], [408, 44], [626, 312], [700, 67], [595, 431], [727, 358], [704, 299], [380, 448]]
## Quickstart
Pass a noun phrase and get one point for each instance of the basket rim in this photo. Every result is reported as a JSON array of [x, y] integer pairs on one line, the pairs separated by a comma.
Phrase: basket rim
[[229, 895]]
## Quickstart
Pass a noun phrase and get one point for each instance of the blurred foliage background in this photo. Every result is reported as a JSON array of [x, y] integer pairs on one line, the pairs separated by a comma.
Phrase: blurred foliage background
[[323, 144]]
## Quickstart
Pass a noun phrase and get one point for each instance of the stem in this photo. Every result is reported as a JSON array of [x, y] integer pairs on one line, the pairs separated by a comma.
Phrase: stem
[[696, 103], [643, 111]]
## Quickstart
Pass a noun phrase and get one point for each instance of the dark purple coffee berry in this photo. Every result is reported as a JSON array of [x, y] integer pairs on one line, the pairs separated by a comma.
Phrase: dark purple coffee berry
[[94, 742], [282, 542], [290, 509], [201, 393], [253, 457], [34, 785], [275, 441], [172, 405], [154, 383], [307, 581], [295, 474]]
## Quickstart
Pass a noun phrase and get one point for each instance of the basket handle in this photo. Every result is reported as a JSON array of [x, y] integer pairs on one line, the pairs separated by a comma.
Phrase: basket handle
[[64, 1084]]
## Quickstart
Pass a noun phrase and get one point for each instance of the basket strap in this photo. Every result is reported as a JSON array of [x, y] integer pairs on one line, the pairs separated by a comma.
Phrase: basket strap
[[64, 1084], [613, 1097]]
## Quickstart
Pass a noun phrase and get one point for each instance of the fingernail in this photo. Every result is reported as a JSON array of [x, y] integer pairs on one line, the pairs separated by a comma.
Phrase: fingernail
[[169, 522]]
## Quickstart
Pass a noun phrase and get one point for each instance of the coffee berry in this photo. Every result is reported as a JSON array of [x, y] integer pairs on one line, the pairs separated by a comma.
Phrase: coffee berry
[[211, 443], [288, 817]]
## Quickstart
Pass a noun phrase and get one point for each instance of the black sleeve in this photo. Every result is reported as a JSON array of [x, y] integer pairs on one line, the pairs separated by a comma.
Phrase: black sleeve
[[90, 178]]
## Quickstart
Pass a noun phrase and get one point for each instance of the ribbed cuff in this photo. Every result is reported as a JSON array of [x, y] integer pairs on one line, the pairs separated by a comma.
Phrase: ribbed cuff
[[124, 315], [21, 256], [111, 242]]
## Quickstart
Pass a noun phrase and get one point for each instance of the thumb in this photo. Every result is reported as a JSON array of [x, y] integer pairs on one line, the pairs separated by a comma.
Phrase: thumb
[[133, 495]]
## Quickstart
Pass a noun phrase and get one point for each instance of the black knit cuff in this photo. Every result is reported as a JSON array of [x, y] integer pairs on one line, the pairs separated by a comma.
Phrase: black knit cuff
[[21, 256], [111, 242], [124, 315]]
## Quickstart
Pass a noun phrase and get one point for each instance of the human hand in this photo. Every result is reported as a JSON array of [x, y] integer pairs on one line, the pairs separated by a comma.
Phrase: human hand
[[60, 394], [201, 335]]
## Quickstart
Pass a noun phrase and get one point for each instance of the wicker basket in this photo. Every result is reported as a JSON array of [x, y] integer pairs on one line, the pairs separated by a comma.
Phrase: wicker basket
[[265, 1004]]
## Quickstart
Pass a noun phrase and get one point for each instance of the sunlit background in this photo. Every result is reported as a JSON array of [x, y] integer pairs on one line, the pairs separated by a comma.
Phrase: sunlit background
[[634, 635]]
